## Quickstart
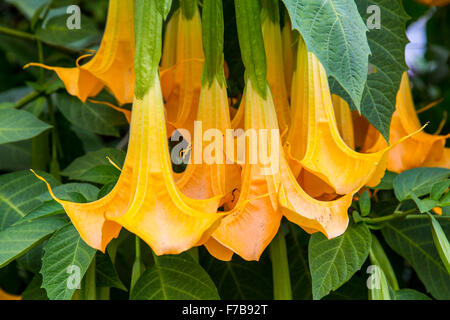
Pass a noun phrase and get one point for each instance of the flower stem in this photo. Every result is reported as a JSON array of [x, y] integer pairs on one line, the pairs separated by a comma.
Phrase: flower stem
[[396, 215], [17, 34], [280, 268]]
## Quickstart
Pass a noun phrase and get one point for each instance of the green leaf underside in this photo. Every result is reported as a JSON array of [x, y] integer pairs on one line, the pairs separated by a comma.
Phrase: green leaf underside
[[94, 117], [418, 181], [174, 278], [17, 125], [91, 160], [333, 262], [412, 239], [388, 57], [63, 251], [18, 239], [334, 31]]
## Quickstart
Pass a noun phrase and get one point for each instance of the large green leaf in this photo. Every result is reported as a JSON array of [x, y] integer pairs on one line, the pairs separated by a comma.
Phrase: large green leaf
[[175, 278], [66, 259], [334, 31], [74, 192], [19, 194], [54, 30], [412, 239], [239, 279], [388, 58], [410, 294], [101, 174], [418, 181], [91, 160], [105, 273], [18, 239], [94, 117], [16, 125], [333, 262]]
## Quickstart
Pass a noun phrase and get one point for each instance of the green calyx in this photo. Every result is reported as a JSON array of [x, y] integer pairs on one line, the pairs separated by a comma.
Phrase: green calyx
[[188, 8], [252, 43], [271, 10], [212, 34], [148, 29]]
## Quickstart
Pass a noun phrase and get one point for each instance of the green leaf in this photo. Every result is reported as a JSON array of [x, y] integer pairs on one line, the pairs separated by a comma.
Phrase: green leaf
[[101, 174], [334, 31], [46, 209], [445, 201], [333, 262], [410, 294], [353, 289], [91, 160], [388, 57], [418, 181], [387, 183], [412, 239], [66, 259], [16, 125], [424, 205], [105, 273], [76, 192], [441, 242], [93, 117], [54, 30], [18, 239], [175, 278], [19, 194], [239, 279], [438, 189]]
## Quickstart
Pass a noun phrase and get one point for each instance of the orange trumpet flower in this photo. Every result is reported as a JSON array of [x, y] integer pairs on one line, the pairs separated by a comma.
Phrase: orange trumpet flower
[[112, 66], [182, 81], [146, 199], [421, 150]]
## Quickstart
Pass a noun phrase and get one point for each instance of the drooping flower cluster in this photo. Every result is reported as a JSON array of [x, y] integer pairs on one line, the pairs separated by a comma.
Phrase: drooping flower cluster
[[295, 155]]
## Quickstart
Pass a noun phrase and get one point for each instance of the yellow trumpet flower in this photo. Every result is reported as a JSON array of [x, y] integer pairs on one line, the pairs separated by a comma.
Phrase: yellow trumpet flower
[[314, 141], [182, 81], [252, 224], [112, 65], [420, 150], [208, 174], [267, 193], [146, 199], [288, 52], [275, 69]]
